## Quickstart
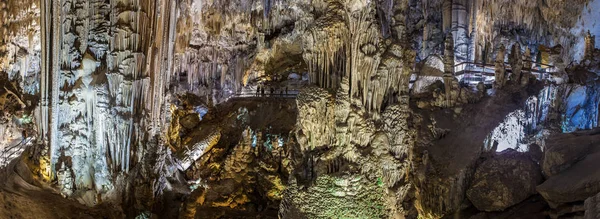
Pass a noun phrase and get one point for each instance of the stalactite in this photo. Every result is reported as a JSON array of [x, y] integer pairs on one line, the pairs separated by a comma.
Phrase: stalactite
[[447, 15], [460, 29]]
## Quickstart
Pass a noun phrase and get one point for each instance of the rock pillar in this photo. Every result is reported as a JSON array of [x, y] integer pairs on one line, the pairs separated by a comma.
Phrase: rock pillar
[[590, 45], [448, 68], [516, 62], [526, 74], [500, 68]]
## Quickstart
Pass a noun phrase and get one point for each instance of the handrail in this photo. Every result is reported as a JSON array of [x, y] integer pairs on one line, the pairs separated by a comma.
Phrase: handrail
[[493, 64]]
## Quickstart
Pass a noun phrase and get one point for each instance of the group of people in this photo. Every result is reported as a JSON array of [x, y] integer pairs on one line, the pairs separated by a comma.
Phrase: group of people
[[260, 91]]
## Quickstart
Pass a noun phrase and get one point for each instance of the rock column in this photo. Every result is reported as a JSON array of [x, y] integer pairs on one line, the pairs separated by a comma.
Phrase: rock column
[[590, 45], [527, 67], [500, 68], [449, 68], [516, 62]]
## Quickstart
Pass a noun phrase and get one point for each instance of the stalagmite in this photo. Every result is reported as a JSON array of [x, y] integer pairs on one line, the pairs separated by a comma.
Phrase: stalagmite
[[144, 104], [500, 73], [449, 69], [527, 67], [590, 45], [516, 63]]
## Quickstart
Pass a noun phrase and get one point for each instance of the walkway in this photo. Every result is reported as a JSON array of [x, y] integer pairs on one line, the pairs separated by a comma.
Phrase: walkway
[[251, 92], [472, 73]]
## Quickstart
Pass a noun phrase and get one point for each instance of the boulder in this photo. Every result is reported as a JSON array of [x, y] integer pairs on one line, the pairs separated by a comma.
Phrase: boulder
[[564, 150], [503, 181], [535, 152], [577, 183], [592, 207]]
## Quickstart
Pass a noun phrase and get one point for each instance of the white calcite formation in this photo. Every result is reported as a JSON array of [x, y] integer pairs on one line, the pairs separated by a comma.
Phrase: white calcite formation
[[97, 88]]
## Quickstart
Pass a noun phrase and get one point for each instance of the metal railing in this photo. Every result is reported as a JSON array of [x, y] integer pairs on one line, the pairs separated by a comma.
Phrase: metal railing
[[476, 72], [292, 93]]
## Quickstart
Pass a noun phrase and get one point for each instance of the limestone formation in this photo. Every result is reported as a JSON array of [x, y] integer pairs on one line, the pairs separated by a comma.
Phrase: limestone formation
[[560, 188], [563, 151], [500, 73], [526, 73], [591, 207], [590, 45], [503, 181], [516, 63], [449, 69], [298, 109]]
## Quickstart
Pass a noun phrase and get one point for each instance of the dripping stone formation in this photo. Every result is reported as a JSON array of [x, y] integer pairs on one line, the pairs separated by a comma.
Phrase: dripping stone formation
[[299, 109]]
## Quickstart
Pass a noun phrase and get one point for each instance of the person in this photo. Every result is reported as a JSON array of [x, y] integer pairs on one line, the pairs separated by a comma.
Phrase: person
[[272, 90], [262, 91], [281, 92], [286, 90], [257, 90]]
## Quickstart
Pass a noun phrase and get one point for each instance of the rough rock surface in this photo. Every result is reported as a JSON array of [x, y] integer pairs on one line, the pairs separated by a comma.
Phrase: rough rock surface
[[592, 207], [365, 161], [94, 84], [564, 150], [449, 146], [503, 181], [577, 183]]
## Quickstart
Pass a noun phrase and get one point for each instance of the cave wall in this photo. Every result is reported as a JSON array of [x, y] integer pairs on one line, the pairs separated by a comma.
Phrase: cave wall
[[105, 76]]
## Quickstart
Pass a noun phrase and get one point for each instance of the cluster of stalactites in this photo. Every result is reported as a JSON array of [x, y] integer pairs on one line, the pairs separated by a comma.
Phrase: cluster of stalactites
[[548, 22], [325, 48], [127, 64], [392, 76], [335, 48], [199, 71]]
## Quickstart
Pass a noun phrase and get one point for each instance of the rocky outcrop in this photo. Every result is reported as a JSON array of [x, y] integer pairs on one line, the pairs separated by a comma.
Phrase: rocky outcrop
[[564, 150], [246, 169], [503, 181], [444, 159], [349, 147], [577, 183], [500, 68], [567, 161], [344, 196], [592, 207]]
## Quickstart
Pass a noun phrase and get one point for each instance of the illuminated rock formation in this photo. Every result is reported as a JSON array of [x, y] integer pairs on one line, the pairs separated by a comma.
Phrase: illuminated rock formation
[[325, 108], [590, 45], [500, 73]]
